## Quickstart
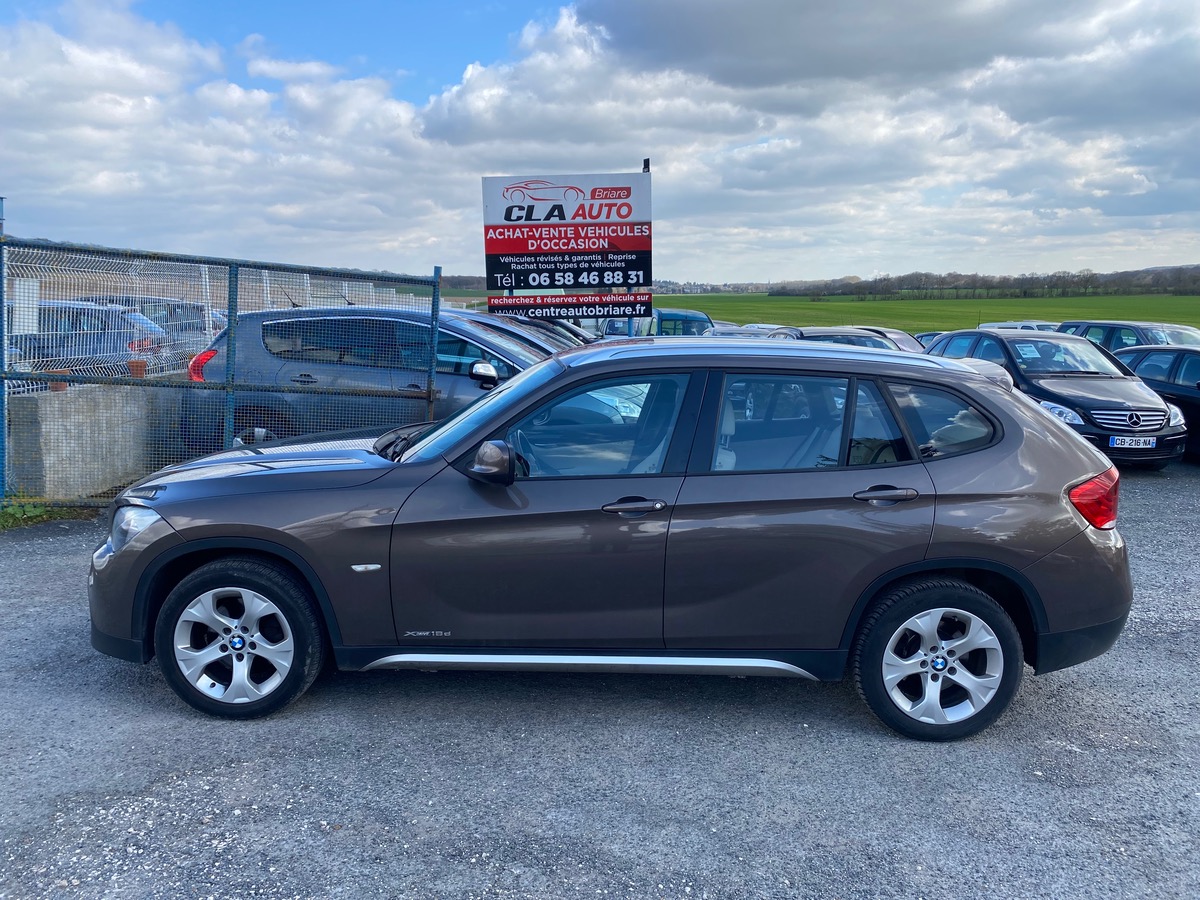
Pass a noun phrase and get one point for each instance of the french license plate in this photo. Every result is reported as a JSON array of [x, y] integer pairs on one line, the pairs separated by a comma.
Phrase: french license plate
[[1131, 441]]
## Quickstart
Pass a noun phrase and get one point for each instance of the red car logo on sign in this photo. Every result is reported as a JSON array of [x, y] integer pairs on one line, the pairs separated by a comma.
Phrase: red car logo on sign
[[536, 189]]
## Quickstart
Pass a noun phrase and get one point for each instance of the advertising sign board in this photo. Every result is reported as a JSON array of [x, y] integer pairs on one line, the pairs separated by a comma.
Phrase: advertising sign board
[[586, 236]]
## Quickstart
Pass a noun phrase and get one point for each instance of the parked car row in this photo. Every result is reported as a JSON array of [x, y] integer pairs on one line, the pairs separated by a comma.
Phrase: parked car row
[[101, 334], [1068, 369]]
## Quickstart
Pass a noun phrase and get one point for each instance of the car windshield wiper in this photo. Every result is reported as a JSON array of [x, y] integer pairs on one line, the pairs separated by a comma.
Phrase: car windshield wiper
[[391, 444]]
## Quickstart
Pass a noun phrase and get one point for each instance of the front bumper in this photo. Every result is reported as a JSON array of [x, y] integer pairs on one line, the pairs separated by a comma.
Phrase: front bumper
[[1167, 447]]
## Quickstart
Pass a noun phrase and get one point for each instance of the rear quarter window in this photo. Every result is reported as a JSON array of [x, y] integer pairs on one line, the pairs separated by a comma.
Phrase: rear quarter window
[[942, 422]]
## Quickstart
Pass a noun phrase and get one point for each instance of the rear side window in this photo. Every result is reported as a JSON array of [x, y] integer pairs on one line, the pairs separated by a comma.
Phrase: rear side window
[[780, 422], [348, 342], [943, 423], [875, 436]]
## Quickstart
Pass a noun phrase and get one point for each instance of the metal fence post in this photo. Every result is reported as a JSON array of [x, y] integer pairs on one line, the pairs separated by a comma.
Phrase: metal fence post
[[230, 353], [434, 307], [3, 359]]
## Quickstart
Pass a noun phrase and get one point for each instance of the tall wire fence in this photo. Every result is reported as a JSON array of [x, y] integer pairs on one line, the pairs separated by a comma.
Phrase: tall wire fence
[[118, 362]]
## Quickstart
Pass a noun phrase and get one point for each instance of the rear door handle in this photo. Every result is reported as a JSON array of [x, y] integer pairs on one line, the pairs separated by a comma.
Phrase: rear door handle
[[886, 495], [634, 506], [303, 379]]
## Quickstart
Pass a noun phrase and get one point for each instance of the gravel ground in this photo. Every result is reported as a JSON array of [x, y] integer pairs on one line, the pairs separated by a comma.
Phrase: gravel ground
[[539, 785]]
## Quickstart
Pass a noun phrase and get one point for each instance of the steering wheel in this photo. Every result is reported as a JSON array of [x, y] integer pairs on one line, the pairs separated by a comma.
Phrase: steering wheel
[[527, 459]]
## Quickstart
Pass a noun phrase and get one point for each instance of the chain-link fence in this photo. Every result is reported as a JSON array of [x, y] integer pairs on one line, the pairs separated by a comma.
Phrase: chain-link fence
[[118, 362]]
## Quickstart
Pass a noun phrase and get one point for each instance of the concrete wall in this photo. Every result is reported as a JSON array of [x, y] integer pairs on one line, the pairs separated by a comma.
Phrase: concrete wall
[[89, 440]]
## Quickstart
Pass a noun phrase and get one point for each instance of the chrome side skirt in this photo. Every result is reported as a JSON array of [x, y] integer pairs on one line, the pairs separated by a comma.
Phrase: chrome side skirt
[[679, 665]]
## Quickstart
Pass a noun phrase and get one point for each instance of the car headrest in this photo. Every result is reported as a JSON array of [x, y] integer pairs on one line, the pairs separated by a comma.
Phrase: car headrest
[[728, 419]]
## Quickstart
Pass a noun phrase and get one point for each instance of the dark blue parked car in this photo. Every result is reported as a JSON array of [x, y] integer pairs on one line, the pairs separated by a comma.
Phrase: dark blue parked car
[[383, 350]]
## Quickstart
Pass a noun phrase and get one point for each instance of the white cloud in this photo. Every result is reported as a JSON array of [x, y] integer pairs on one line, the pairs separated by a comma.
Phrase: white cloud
[[789, 139]]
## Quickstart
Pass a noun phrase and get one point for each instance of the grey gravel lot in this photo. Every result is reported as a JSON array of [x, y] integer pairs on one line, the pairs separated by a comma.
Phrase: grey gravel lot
[[510, 785]]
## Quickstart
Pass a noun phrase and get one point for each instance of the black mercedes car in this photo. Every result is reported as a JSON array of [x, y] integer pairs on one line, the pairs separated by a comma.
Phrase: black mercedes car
[[1082, 384]]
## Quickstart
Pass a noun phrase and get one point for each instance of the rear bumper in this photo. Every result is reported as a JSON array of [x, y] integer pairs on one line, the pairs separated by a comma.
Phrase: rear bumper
[[1060, 649]]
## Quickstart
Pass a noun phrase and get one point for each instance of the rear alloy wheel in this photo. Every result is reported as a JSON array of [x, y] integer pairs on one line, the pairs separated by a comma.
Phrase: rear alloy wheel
[[938, 660], [239, 638]]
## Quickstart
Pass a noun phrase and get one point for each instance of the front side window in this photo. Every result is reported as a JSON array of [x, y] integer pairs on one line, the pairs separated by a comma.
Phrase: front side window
[[941, 422], [1124, 337], [1189, 372], [1155, 365], [989, 349], [455, 355], [617, 426]]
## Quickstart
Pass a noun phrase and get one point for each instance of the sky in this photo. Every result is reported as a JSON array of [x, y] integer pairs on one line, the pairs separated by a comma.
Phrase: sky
[[789, 139]]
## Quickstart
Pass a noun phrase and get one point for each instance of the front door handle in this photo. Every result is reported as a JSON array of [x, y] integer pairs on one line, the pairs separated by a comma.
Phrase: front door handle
[[634, 506], [886, 495], [303, 379]]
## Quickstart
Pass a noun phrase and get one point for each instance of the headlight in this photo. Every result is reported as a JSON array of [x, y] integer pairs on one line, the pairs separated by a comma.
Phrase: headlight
[[1176, 414], [128, 521], [1067, 415]]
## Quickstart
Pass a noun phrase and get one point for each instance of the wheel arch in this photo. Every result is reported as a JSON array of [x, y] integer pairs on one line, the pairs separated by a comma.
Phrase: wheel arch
[[1013, 591], [175, 564]]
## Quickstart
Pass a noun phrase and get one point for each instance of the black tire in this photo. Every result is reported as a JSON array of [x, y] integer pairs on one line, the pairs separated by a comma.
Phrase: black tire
[[239, 638], [927, 688]]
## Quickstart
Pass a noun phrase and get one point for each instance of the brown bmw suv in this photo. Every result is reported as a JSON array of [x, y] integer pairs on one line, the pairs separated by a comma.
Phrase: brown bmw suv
[[728, 506]]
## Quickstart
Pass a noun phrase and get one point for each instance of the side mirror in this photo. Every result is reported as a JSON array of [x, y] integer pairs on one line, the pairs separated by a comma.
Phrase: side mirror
[[485, 373], [495, 463]]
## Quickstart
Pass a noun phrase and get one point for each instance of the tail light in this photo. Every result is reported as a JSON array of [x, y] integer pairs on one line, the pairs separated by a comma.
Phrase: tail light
[[196, 366], [141, 345], [1096, 499]]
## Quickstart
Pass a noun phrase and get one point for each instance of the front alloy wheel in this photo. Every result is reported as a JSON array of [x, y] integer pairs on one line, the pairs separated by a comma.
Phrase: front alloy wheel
[[938, 660], [239, 638]]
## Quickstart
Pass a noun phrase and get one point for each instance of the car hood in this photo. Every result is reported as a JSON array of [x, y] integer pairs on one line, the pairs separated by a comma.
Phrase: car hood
[[320, 464], [1099, 391]]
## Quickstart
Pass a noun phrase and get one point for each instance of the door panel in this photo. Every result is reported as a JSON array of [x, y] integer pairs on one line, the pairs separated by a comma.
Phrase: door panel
[[537, 564], [776, 561]]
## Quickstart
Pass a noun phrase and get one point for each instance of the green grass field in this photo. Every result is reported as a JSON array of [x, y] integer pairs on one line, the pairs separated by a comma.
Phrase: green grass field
[[926, 315]]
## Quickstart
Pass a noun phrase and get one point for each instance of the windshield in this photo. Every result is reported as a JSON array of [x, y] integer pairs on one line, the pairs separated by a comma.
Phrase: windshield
[[516, 351], [1043, 356], [1175, 334], [492, 405]]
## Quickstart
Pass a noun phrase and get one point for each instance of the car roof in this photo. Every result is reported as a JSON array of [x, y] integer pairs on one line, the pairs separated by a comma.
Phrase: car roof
[[723, 350], [1023, 334], [1134, 322], [1157, 348], [299, 312], [78, 303]]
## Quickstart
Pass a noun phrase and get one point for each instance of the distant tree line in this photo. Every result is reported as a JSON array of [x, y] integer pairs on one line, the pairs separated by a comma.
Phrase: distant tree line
[[1179, 280]]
